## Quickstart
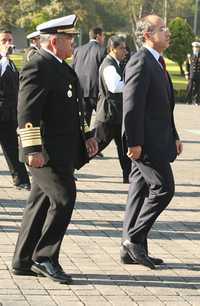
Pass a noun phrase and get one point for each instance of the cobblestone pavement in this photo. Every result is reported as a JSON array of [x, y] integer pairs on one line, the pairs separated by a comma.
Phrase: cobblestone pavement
[[90, 250]]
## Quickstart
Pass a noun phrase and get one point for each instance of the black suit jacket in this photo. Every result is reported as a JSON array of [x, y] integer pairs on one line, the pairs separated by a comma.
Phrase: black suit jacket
[[148, 104], [86, 61], [9, 85], [48, 111]]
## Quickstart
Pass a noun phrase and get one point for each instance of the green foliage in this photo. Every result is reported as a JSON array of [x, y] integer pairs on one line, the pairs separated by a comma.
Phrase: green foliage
[[181, 39]]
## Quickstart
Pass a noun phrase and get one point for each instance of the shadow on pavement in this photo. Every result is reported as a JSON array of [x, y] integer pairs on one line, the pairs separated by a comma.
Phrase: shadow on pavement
[[183, 282]]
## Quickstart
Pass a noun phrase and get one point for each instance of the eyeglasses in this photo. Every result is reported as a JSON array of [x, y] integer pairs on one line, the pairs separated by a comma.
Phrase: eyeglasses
[[161, 29]]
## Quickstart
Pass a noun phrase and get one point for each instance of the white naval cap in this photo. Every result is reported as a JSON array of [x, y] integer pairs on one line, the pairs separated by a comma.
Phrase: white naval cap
[[196, 44], [64, 24], [33, 35]]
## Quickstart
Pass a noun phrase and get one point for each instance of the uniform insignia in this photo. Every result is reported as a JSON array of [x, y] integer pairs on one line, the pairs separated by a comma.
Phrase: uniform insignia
[[30, 136], [69, 93], [28, 125]]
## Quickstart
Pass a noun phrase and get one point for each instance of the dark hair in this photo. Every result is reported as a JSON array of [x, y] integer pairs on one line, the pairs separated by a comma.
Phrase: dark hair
[[94, 32], [114, 42], [5, 31]]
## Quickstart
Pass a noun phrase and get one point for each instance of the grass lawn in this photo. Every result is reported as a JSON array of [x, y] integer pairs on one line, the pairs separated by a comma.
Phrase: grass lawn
[[179, 81]]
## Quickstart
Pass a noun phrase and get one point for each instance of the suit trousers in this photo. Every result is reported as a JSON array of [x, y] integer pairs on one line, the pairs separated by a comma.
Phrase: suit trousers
[[89, 104], [46, 216], [105, 133], [9, 144], [150, 191]]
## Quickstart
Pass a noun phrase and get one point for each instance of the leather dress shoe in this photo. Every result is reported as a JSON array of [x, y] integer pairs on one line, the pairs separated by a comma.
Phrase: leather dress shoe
[[25, 186], [127, 260], [137, 253], [54, 272]]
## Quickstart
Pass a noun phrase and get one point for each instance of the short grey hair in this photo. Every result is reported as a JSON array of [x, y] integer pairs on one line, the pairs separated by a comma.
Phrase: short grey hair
[[142, 26], [44, 38]]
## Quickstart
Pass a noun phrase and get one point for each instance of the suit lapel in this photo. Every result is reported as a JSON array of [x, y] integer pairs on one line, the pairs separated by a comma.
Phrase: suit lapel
[[159, 69]]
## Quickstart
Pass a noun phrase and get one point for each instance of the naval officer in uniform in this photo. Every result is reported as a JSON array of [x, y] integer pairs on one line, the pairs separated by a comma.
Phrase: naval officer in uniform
[[54, 142], [34, 38], [192, 75]]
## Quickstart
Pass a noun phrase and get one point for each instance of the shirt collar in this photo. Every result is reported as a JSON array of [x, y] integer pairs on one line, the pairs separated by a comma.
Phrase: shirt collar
[[155, 53], [116, 60], [47, 50], [34, 46]]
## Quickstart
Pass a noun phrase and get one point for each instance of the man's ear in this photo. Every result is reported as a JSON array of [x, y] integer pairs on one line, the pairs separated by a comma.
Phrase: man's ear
[[53, 41], [147, 35]]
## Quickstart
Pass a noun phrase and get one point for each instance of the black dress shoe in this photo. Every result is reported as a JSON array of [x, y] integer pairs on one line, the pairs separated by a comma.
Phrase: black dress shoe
[[54, 272], [25, 186], [137, 253], [25, 272], [127, 260], [100, 155]]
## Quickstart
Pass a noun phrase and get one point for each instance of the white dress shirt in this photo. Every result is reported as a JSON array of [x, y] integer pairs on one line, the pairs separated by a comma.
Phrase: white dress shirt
[[113, 79], [4, 62]]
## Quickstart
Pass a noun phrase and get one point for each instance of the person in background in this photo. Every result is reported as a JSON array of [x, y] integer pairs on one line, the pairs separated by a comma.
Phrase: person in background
[[54, 142], [151, 137], [192, 75], [9, 83], [86, 62], [109, 107], [34, 38]]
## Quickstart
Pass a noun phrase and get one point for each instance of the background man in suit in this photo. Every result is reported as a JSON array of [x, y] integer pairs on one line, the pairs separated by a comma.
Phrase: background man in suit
[[34, 38], [109, 107], [151, 136], [9, 83], [192, 74], [86, 63], [53, 142]]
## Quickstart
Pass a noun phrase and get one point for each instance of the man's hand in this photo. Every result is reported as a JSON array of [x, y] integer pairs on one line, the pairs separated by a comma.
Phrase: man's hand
[[179, 147], [134, 153], [92, 146], [36, 160]]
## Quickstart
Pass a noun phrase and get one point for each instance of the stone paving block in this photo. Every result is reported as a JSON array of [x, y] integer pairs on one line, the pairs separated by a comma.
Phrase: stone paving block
[[193, 300], [10, 298], [63, 302], [7, 284], [121, 300], [94, 300], [15, 303], [37, 292]]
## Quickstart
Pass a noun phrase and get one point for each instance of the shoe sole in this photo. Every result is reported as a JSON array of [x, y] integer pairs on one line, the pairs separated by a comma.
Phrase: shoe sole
[[25, 273], [58, 280]]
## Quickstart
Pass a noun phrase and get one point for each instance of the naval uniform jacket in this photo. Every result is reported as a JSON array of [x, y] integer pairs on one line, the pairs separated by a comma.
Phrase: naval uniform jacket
[[148, 104], [86, 62], [192, 67], [49, 114]]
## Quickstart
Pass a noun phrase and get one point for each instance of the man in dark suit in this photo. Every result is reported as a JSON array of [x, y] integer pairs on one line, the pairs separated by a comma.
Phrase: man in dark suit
[[9, 83], [109, 107], [53, 140], [86, 63], [152, 139], [34, 38]]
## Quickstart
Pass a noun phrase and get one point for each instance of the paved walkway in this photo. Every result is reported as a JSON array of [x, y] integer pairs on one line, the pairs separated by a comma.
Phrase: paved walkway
[[90, 251]]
